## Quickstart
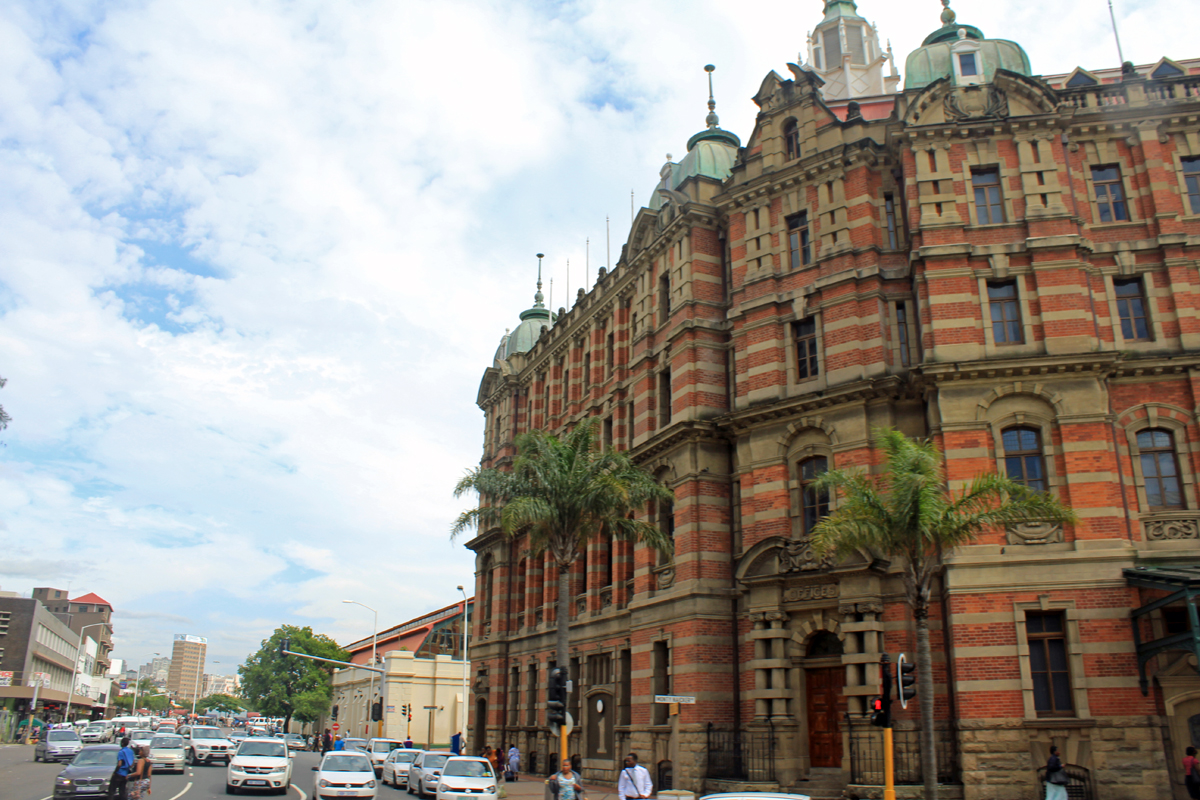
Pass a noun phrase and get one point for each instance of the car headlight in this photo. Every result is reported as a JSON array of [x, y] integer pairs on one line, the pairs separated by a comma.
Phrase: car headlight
[[491, 787], [278, 769], [62, 781], [322, 783], [370, 784]]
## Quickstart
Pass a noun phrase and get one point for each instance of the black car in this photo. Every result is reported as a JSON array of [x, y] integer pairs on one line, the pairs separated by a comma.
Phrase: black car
[[88, 773]]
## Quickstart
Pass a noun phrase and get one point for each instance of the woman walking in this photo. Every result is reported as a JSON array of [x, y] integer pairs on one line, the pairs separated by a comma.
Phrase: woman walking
[[514, 761], [1056, 778], [1191, 773], [566, 785], [139, 779]]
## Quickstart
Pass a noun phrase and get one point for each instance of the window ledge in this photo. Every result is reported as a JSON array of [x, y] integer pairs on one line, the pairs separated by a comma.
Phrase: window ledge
[[1059, 722]]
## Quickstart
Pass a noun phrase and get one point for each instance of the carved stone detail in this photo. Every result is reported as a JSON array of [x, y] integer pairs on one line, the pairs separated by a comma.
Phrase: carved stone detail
[[666, 578], [1035, 533], [820, 591], [1158, 530], [973, 103], [798, 556]]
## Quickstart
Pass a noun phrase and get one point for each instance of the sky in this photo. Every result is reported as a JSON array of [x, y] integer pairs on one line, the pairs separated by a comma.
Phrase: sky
[[255, 257]]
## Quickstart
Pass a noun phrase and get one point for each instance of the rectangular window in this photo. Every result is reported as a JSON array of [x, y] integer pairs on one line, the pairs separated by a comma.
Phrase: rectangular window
[[660, 663], [610, 354], [629, 421], [1131, 309], [889, 205], [1156, 451], [566, 386], [854, 43], [1110, 194], [989, 205], [531, 696], [833, 48], [798, 240], [664, 299], [805, 333], [902, 332], [625, 698], [966, 65], [1048, 664], [1191, 180], [608, 433], [1006, 313], [1024, 462], [664, 398], [587, 371]]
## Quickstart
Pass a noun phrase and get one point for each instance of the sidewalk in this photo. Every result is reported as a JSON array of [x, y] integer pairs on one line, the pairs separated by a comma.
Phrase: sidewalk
[[532, 787]]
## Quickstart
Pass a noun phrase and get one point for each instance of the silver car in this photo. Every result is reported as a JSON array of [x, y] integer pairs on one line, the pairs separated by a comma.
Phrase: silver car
[[57, 745], [395, 766], [167, 752], [425, 771]]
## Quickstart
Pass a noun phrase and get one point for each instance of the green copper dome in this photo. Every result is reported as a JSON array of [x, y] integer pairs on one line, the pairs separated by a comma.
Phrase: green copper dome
[[933, 60], [711, 152], [526, 334]]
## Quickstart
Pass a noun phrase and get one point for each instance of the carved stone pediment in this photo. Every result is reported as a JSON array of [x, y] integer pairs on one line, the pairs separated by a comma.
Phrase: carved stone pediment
[[975, 102], [797, 556], [1035, 533]]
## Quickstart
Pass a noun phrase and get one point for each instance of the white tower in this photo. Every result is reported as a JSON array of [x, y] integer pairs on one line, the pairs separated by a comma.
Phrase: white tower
[[844, 50]]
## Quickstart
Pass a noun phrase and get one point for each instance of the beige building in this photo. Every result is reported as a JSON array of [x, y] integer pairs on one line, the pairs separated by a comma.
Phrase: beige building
[[187, 666], [431, 687]]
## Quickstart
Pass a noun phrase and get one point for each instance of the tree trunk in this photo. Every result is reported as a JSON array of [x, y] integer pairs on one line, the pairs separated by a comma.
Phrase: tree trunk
[[563, 632], [925, 692]]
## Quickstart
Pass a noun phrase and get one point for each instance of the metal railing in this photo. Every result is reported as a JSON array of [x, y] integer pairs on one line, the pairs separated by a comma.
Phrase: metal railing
[[1080, 787], [741, 755], [866, 756]]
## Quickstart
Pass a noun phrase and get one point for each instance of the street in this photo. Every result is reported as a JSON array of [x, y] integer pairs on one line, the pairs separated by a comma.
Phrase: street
[[23, 779]]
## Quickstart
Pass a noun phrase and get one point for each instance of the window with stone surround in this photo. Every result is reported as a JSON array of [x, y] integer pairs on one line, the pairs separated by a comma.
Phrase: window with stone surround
[[1110, 194], [814, 504], [1048, 663], [1004, 308], [660, 665], [1160, 469], [1024, 461], [799, 244], [625, 695], [903, 343], [664, 398], [889, 208], [989, 200], [531, 694], [664, 298], [1191, 181], [1131, 309], [804, 333], [791, 140]]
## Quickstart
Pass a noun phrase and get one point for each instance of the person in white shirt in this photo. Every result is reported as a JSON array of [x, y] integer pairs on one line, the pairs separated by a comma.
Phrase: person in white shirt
[[634, 783]]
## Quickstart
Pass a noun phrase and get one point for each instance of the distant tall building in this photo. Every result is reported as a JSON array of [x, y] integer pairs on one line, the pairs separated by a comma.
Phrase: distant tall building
[[187, 665], [157, 670]]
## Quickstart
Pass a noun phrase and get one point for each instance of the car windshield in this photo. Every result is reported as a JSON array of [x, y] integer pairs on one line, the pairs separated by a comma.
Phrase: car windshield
[[252, 748], [434, 761], [404, 758], [167, 743], [206, 733], [356, 744], [384, 747], [346, 763], [95, 758], [141, 735], [467, 769], [95, 727], [62, 736]]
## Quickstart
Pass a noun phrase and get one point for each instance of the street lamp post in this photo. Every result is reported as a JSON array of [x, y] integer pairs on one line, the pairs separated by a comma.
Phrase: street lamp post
[[462, 731], [374, 641], [75, 672]]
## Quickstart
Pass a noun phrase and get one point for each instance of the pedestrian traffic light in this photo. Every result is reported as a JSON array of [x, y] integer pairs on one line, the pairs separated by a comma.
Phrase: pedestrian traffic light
[[881, 716], [334, 714], [877, 715], [377, 711], [906, 681], [556, 697]]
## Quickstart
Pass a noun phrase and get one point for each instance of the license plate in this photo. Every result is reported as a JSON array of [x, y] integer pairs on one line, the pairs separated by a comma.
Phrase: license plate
[[256, 783], [348, 794]]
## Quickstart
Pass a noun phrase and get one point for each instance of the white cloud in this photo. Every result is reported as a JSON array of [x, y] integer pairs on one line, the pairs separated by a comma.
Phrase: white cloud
[[254, 257]]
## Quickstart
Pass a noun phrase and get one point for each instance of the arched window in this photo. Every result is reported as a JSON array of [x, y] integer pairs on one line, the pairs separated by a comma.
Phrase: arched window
[[813, 504], [824, 645], [1024, 461], [791, 139], [1156, 448]]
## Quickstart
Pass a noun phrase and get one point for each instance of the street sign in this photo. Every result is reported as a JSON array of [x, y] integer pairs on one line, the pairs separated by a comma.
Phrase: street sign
[[687, 700], [555, 728], [6, 678], [430, 708], [391, 709], [336, 726]]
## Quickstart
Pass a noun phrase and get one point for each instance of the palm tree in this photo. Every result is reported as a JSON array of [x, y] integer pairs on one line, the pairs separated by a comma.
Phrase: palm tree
[[563, 493], [907, 512]]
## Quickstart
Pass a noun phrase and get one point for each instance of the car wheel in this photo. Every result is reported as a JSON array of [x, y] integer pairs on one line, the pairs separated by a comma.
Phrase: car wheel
[[229, 789], [35, 757]]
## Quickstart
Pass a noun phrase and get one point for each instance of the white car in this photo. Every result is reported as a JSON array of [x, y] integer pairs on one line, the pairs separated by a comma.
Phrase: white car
[[344, 774], [425, 771], [206, 744], [467, 776], [96, 733], [260, 764], [395, 766], [140, 738], [378, 750], [166, 752]]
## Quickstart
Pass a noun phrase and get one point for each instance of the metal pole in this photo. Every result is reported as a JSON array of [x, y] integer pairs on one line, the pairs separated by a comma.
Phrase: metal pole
[[1116, 35], [889, 782], [374, 635], [463, 730], [37, 685]]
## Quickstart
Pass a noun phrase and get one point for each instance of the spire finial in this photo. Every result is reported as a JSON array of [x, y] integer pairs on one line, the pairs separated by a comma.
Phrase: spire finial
[[537, 298], [712, 120], [948, 15]]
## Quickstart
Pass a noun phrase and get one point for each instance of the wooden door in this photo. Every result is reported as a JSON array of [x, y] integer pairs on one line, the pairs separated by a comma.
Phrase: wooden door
[[824, 713]]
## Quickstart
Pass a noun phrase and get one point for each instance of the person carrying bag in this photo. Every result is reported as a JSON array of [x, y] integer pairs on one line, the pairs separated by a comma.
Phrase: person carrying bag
[[566, 784], [1056, 777], [634, 782], [139, 778]]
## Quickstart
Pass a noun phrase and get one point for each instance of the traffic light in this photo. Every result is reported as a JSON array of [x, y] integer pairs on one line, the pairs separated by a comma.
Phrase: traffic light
[[881, 714], [284, 644], [877, 715], [334, 714], [556, 697], [377, 711], [906, 681]]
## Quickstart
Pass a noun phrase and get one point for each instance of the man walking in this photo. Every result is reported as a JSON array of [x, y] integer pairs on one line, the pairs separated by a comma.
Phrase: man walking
[[634, 783], [118, 788]]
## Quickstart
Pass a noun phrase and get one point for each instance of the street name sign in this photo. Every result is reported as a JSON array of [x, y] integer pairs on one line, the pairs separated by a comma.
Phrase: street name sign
[[686, 700]]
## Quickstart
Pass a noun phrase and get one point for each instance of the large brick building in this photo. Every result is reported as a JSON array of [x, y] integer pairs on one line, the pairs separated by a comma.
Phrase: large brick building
[[1003, 262]]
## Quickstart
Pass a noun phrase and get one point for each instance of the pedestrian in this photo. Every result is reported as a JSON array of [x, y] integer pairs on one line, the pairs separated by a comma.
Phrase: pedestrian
[[496, 758], [117, 785], [340, 744], [408, 742], [1056, 778], [566, 784], [1191, 773], [634, 783], [456, 743], [139, 778], [514, 762]]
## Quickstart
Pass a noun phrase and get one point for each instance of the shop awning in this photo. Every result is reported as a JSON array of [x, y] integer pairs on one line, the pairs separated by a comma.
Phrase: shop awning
[[1183, 583]]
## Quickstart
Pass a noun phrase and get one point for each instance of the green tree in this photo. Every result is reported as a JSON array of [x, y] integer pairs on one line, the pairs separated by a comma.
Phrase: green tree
[[907, 513], [563, 493], [287, 686], [222, 703]]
